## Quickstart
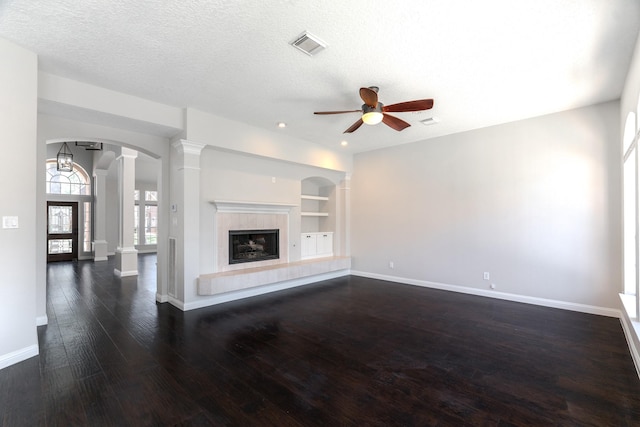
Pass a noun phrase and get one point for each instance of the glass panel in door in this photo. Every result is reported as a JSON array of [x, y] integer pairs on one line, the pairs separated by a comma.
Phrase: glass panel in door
[[62, 231]]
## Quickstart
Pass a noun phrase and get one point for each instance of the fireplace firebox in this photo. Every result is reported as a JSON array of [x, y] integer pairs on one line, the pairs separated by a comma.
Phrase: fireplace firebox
[[253, 245]]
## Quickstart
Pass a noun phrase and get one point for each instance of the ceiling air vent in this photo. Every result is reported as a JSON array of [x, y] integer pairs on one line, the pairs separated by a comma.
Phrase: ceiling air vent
[[309, 44], [430, 121]]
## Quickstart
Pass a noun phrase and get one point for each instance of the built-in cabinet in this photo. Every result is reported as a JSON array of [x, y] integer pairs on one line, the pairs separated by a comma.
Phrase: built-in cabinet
[[316, 245], [317, 211]]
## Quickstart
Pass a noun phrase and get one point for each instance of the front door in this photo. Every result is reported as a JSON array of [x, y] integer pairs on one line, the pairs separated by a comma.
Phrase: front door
[[62, 231]]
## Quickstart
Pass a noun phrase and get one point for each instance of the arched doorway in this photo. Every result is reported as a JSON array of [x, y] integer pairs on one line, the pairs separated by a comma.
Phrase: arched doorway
[[69, 222], [101, 167]]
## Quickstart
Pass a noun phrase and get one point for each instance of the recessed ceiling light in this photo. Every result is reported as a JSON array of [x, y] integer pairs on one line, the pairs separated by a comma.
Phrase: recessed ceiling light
[[344, 143], [282, 125]]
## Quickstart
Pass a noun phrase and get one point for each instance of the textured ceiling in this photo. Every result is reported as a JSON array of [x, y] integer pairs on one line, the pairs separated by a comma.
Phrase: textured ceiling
[[484, 63]]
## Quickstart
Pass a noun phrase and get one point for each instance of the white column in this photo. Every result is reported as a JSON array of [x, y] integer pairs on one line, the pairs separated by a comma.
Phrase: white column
[[345, 216], [100, 215], [126, 253], [185, 222]]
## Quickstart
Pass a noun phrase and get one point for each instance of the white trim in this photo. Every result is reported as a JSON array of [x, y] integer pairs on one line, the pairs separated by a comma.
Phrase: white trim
[[259, 290], [627, 328], [162, 298], [565, 305], [42, 320], [147, 249], [631, 327], [183, 146], [125, 273], [126, 250], [236, 206], [176, 302], [18, 356]]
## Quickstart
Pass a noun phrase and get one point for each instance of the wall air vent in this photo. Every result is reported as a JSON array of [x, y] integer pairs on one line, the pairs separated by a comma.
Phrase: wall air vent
[[309, 44]]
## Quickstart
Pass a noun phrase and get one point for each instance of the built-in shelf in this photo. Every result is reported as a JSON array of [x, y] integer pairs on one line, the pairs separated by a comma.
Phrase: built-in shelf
[[317, 208], [309, 197], [314, 214]]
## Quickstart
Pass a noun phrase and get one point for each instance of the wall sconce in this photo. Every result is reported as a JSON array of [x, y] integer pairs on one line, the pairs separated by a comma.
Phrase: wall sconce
[[65, 159]]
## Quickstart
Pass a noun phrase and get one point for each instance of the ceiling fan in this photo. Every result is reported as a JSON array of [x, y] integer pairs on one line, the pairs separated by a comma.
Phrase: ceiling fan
[[374, 112]]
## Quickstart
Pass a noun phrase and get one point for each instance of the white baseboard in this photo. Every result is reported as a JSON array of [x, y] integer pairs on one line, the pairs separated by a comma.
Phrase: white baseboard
[[630, 335], [584, 308], [42, 320], [258, 290], [147, 250], [631, 328], [175, 302], [162, 298], [18, 356]]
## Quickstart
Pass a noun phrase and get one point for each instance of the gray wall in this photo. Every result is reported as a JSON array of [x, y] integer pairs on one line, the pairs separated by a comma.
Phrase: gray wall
[[18, 121], [536, 203]]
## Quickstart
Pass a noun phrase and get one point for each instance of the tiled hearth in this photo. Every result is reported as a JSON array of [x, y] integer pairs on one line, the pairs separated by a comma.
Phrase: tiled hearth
[[229, 281]]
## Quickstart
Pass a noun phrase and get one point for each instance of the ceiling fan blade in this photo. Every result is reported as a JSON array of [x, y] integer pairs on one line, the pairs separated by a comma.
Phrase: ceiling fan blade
[[394, 122], [369, 96], [338, 112], [354, 126], [418, 105]]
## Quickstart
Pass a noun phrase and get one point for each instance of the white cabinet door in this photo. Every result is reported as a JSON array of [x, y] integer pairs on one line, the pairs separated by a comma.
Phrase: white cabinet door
[[324, 245], [315, 245], [308, 242]]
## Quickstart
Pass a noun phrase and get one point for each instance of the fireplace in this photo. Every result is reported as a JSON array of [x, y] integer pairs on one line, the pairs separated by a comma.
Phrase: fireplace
[[253, 245]]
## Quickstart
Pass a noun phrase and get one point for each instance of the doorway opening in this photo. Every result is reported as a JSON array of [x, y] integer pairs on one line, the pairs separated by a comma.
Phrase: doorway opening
[[62, 231]]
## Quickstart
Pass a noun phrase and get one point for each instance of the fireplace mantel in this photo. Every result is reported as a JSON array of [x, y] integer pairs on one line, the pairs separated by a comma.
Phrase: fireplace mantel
[[231, 206]]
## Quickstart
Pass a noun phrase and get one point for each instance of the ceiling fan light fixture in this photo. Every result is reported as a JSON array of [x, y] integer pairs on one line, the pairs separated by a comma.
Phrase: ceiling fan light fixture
[[372, 117], [374, 112]]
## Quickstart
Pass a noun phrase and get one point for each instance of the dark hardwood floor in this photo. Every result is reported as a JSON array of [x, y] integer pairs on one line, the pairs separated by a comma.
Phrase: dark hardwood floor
[[349, 351]]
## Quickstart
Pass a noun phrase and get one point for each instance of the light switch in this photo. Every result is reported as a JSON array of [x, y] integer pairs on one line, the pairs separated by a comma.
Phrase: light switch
[[9, 222]]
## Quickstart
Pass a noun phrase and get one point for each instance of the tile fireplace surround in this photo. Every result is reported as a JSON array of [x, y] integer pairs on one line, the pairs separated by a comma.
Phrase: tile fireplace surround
[[231, 215], [250, 216]]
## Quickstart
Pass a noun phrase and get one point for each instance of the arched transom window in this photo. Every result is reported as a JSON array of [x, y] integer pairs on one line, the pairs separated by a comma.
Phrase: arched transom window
[[76, 182]]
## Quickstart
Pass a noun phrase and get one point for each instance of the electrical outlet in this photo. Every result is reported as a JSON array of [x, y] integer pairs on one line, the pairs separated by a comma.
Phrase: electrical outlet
[[487, 276], [391, 264]]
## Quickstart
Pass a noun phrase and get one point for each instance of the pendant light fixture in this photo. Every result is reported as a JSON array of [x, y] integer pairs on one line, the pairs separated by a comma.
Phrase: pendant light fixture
[[65, 159]]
